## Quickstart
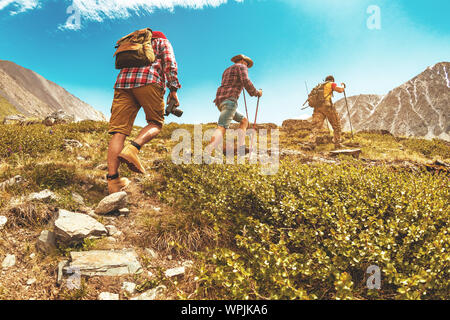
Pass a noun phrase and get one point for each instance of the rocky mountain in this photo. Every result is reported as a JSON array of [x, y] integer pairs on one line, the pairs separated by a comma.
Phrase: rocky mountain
[[419, 107], [32, 95], [361, 108]]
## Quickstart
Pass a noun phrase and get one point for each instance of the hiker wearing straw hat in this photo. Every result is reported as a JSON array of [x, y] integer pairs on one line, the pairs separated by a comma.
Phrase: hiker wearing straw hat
[[234, 80]]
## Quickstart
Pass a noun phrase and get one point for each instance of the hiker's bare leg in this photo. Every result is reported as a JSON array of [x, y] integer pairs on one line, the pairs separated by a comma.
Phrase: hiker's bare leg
[[147, 134], [216, 139], [241, 134], [115, 147], [317, 124]]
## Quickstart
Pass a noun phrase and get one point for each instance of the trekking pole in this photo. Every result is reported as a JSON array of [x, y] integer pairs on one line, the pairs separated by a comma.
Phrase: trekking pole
[[348, 111], [245, 102], [256, 115], [254, 127]]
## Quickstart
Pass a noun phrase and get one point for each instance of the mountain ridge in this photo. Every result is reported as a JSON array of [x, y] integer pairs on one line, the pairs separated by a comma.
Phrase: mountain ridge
[[420, 107], [33, 95]]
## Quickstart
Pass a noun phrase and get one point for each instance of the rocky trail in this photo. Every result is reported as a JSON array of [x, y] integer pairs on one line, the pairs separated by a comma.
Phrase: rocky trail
[[118, 268]]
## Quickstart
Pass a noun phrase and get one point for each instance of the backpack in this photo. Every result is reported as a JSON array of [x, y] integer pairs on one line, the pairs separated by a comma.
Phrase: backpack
[[135, 50], [317, 96]]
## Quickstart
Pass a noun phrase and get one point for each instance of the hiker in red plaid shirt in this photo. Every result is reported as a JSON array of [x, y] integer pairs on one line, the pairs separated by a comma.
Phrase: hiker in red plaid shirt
[[135, 88], [234, 80]]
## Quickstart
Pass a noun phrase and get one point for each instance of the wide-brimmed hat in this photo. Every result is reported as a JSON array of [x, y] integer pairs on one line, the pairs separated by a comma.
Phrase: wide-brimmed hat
[[244, 57]]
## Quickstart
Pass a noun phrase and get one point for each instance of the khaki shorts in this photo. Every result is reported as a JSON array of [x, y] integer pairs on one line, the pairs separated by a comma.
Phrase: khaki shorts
[[127, 103]]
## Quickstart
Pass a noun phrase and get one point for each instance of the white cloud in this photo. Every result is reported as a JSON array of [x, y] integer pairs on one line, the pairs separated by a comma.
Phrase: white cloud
[[19, 6], [100, 10]]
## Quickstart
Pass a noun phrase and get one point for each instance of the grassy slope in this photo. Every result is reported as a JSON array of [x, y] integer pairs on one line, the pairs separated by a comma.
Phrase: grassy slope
[[62, 171], [6, 108]]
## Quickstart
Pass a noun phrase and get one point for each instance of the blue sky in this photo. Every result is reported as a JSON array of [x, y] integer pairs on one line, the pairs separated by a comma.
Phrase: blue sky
[[291, 41]]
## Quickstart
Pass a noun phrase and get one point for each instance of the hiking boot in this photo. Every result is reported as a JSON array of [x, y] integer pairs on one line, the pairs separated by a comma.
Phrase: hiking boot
[[129, 155], [117, 185]]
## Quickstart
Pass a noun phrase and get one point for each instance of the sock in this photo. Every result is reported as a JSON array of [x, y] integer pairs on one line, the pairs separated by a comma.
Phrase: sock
[[134, 144], [113, 177]]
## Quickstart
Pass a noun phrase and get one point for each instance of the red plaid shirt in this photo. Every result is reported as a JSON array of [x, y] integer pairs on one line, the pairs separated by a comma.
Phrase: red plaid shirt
[[163, 70], [234, 80]]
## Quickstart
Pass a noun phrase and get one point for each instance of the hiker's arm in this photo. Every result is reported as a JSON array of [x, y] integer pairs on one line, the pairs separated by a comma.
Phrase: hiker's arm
[[170, 66], [340, 89], [248, 85]]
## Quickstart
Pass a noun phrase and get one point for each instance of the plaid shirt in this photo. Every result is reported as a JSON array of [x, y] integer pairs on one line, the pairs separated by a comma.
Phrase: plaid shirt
[[164, 69], [234, 80]]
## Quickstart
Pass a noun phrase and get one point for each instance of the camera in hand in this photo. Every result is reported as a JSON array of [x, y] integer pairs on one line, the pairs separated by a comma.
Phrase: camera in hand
[[173, 109]]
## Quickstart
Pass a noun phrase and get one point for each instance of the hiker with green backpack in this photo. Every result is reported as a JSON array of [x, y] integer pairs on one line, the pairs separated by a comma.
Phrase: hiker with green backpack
[[147, 65], [320, 99]]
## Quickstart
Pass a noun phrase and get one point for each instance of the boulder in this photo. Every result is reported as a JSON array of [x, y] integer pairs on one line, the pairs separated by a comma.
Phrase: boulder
[[108, 296], [73, 227], [113, 231], [58, 117], [129, 287], [3, 221], [152, 253], [175, 272], [9, 261], [111, 203], [11, 182], [44, 195], [78, 198], [46, 242], [72, 143], [105, 262], [14, 119], [151, 294]]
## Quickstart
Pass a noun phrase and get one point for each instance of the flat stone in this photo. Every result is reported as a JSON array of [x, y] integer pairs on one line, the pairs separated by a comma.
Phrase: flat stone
[[46, 242], [170, 273], [61, 265], [108, 296], [151, 294], [111, 203], [9, 261], [77, 198], [31, 282], [44, 195], [124, 211], [105, 263], [11, 182], [152, 253], [350, 152], [73, 227], [3, 221], [188, 264], [129, 287], [113, 231]]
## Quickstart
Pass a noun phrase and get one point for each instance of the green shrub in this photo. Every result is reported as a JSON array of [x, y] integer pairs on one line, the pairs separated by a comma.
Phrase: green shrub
[[53, 176], [37, 139], [311, 232], [429, 148], [30, 140], [86, 126]]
